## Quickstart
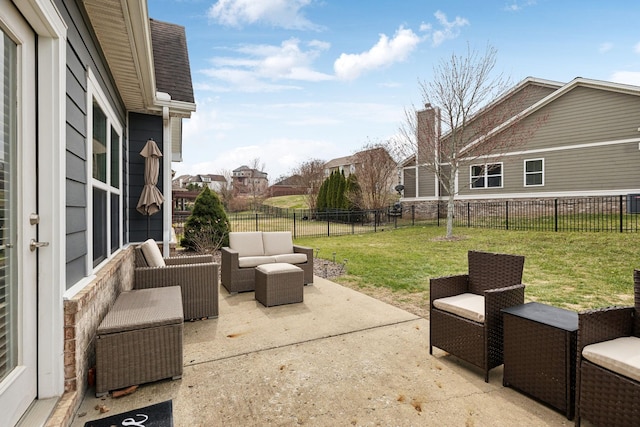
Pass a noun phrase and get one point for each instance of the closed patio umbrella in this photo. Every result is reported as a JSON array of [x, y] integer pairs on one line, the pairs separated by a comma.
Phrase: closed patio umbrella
[[151, 198]]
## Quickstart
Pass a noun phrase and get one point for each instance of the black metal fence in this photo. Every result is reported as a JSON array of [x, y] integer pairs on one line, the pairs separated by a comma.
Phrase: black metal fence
[[586, 214]]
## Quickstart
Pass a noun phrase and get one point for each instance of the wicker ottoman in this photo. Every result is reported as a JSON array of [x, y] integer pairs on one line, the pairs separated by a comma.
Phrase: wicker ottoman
[[140, 339], [279, 283]]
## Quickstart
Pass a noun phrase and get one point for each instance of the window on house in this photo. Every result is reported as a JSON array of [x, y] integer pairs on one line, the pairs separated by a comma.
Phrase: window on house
[[486, 176], [105, 194], [533, 172]]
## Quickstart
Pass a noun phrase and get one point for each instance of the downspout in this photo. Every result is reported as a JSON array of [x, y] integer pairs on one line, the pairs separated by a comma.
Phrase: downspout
[[166, 184]]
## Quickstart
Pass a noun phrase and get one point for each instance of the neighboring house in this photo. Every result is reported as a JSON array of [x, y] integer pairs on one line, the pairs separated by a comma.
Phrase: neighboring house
[[249, 181], [287, 187], [588, 144], [214, 182], [85, 85], [351, 164], [345, 165]]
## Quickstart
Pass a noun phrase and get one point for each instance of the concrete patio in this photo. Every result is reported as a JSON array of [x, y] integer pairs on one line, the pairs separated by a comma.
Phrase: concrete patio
[[338, 358]]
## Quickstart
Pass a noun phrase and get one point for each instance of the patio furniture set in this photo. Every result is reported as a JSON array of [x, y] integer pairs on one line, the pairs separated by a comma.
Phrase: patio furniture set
[[140, 339], [585, 364]]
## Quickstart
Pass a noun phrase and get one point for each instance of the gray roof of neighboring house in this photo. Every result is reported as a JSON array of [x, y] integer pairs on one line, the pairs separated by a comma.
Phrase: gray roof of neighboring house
[[171, 60], [340, 161]]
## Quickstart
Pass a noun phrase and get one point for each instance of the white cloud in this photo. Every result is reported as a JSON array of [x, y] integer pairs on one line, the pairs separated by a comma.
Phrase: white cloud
[[261, 65], [605, 47], [384, 53], [626, 77], [219, 136], [450, 30], [519, 5], [277, 13], [425, 27]]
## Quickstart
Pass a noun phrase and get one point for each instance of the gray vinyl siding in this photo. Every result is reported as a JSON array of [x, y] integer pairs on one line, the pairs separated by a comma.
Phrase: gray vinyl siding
[[581, 116], [579, 169], [426, 182], [586, 115], [82, 54], [141, 128], [409, 182]]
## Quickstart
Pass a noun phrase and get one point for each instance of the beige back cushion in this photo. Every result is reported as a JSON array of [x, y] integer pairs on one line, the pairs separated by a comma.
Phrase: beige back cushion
[[621, 355], [247, 243], [152, 253], [277, 242], [470, 306]]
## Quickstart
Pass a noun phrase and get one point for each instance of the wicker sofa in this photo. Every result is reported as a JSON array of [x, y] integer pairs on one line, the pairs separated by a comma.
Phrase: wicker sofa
[[465, 310], [196, 275], [247, 250], [608, 365]]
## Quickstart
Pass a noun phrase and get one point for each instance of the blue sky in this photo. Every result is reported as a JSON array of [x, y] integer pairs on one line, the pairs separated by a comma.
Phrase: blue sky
[[285, 81]]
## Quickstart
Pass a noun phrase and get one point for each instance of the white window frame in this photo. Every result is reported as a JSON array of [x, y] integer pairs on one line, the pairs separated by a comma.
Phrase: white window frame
[[94, 92], [485, 176], [525, 173]]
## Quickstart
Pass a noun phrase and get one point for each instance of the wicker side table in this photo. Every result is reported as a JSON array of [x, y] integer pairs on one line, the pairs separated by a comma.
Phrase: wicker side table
[[540, 353], [279, 283]]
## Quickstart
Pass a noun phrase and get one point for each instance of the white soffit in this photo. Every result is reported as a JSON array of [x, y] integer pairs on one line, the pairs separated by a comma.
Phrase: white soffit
[[122, 28]]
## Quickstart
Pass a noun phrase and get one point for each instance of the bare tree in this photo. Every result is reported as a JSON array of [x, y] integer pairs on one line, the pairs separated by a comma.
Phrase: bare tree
[[257, 183], [458, 101], [227, 190], [376, 173], [310, 175]]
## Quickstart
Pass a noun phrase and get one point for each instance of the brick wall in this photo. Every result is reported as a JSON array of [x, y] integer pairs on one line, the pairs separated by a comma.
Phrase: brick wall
[[82, 315]]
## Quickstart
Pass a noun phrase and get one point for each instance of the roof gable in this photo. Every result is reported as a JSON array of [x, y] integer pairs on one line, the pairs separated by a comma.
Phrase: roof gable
[[554, 96], [171, 60]]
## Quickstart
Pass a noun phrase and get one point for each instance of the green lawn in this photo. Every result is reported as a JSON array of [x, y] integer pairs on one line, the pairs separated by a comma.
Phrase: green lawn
[[287, 202], [571, 270]]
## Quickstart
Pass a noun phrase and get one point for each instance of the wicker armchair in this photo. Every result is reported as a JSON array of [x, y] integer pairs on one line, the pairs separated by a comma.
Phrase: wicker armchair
[[605, 397], [196, 275], [493, 283]]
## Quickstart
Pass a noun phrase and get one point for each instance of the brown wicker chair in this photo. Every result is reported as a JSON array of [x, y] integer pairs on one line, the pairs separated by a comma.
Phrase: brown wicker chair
[[604, 397], [496, 277], [196, 275]]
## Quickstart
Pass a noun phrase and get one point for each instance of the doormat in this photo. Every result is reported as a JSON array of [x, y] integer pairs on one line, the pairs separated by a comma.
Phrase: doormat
[[158, 415]]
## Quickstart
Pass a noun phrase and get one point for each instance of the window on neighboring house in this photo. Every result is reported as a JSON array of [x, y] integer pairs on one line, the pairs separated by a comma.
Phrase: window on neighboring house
[[486, 176], [105, 195], [533, 172]]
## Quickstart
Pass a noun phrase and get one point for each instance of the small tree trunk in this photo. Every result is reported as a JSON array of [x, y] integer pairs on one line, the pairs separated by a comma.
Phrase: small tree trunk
[[450, 205], [450, 216]]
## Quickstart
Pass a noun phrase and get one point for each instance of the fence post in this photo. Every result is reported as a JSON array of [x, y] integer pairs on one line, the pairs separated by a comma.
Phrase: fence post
[[621, 216], [328, 225], [375, 221], [468, 214], [438, 213], [413, 214], [555, 214], [294, 225], [506, 207], [257, 221]]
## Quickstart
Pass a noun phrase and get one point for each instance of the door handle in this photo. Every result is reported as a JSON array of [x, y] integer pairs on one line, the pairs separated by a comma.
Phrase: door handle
[[33, 245]]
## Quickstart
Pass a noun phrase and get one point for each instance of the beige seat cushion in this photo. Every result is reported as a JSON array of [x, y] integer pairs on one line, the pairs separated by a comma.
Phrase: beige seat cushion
[[621, 355], [470, 306], [291, 258], [152, 253], [247, 243], [254, 261], [277, 268], [277, 242]]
